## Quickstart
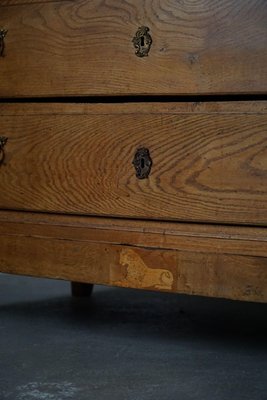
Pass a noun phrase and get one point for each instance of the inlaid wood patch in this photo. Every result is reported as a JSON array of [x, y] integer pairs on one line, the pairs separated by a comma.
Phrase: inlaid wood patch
[[136, 273]]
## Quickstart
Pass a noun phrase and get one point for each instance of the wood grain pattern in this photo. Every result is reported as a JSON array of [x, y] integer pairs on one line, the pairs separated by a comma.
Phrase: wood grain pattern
[[217, 239], [206, 167], [84, 47], [73, 256]]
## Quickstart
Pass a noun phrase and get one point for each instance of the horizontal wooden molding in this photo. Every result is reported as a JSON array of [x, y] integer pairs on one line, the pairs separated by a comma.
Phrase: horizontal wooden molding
[[223, 239]]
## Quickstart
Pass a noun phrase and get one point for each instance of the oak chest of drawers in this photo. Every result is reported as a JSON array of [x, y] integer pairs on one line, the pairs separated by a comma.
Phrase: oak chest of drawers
[[133, 144]]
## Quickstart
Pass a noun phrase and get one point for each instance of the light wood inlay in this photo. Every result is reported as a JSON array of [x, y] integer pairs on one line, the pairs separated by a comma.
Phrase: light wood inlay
[[137, 274]]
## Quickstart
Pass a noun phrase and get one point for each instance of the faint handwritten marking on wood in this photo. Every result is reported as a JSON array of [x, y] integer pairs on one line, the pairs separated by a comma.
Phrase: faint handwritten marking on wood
[[139, 275]]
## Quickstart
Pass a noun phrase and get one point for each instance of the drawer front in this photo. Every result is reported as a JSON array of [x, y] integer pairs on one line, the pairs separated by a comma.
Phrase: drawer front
[[205, 166], [86, 47]]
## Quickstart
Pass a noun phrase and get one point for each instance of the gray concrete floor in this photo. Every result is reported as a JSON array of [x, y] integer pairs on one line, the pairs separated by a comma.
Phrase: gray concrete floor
[[126, 344]]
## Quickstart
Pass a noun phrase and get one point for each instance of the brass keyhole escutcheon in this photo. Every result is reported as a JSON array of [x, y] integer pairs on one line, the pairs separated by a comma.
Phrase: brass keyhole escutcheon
[[142, 41], [3, 33], [142, 163]]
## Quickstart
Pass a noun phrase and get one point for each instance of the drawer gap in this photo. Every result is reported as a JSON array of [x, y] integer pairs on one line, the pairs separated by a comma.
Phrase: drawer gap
[[137, 99]]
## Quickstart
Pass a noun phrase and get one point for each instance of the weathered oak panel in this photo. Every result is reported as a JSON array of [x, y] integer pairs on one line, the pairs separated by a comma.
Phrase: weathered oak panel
[[207, 167], [85, 47]]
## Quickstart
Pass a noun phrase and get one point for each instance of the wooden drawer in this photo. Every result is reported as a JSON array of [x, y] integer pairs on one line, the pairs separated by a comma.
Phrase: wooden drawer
[[209, 161], [82, 47]]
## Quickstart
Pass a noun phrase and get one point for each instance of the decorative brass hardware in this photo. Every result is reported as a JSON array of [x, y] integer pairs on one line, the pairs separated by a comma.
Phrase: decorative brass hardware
[[142, 41], [142, 163], [3, 34], [3, 141]]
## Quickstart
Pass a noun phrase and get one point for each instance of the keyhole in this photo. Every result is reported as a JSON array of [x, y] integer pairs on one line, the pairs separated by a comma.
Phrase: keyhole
[[142, 41], [142, 163]]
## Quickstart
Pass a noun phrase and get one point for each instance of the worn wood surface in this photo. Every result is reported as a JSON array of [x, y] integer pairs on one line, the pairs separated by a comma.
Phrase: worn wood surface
[[207, 167], [85, 47], [124, 253]]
